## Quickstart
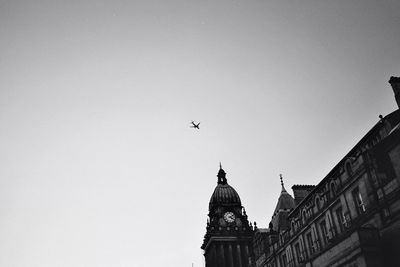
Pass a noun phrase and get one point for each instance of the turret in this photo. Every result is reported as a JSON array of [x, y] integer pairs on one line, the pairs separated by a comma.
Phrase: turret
[[395, 83], [282, 209]]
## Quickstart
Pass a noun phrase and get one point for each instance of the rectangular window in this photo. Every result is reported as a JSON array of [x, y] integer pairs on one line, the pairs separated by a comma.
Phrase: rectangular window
[[339, 217], [358, 201], [386, 212], [324, 233], [310, 243], [317, 243], [284, 260], [298, 254]]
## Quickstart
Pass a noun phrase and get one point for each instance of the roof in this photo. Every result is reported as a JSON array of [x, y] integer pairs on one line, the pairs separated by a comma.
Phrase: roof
[[224, 194], [393, 118], [285, 201], [284, 205], [396, 128], [305, 186]]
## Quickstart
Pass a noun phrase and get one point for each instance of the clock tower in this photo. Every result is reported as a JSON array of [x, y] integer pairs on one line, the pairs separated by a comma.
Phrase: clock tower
[[227, 242]]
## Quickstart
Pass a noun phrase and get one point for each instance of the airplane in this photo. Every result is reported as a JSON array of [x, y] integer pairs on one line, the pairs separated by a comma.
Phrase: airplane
[[195, 125]]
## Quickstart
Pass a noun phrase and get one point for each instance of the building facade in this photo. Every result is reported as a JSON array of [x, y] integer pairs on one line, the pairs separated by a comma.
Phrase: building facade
[[351, 218]]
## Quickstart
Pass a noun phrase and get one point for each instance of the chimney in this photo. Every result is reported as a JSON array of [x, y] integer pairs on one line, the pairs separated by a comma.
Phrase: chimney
[[395, 83], [300, 192]]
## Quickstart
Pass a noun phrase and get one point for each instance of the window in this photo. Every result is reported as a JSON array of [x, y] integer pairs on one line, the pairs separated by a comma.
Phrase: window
[[316, 244], [333, 189], [339, 217], [310, 243], [358, 201], [348, 168], [298, 253], [317, 203], [329, 225], [283, 260], [289, 256], [386, 212], [324, 233]]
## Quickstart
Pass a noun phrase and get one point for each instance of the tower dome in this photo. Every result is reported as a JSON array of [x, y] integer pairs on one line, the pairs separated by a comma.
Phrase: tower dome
[[224, 194]]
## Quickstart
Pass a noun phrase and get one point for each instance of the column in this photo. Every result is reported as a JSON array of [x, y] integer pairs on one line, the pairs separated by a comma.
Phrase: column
[[231, 263], [222, 254], [239, 256], [246, 253], [214, 255]]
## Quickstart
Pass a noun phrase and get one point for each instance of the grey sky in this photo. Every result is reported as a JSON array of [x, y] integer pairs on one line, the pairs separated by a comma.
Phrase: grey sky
[[99, 165]]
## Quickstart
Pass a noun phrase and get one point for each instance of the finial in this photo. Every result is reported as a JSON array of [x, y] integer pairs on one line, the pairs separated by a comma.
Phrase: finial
[[283, 187], [221, 175]]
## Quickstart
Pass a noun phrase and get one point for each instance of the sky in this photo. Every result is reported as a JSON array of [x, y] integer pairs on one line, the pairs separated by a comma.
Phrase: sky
[[99, 166]]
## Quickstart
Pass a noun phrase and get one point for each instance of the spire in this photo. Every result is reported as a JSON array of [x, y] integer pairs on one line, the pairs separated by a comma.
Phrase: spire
[[285, 204], [221, 175], [283, 187], [395, 83]]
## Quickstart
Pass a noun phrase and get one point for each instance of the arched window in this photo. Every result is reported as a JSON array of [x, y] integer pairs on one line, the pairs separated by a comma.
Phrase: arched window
[[348, 168], [304, 216], [333, 189], [317, 203]]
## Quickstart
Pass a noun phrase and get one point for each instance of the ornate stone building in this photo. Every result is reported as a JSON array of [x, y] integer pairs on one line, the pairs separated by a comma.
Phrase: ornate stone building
[[350, 218], [228, 239]]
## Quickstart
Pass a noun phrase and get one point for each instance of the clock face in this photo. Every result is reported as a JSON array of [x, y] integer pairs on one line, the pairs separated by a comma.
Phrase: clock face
[[229, 217]]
